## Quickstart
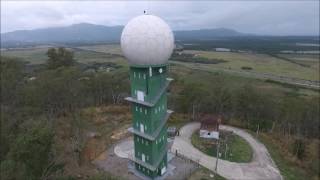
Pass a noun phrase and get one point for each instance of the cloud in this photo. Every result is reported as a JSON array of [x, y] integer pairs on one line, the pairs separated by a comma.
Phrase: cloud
[[259, 17]]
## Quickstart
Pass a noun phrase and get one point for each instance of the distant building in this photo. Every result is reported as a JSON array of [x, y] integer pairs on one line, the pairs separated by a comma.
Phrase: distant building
[[222, 50], [210, 126]]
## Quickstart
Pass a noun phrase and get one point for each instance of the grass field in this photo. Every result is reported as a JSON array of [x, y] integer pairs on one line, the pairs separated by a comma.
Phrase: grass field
[[104, 48], [35, 55], [207, 72], [187, 74], [260, 63], [311, 60], [237, 149], [85, 54]]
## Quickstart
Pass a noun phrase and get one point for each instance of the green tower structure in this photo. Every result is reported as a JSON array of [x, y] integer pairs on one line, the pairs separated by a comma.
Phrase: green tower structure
[[150, 114], [147, 42]]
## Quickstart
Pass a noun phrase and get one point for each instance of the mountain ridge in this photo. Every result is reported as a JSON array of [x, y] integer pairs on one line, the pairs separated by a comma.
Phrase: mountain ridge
[[87, 32]]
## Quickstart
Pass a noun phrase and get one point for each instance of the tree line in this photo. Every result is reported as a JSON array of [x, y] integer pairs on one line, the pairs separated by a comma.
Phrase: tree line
[[31, 103]]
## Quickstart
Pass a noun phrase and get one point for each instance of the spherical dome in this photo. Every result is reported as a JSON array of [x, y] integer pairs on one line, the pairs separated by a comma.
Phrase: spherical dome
[[147, 40]]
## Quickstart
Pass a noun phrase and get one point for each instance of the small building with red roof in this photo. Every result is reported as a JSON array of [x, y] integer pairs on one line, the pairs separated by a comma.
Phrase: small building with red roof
[[210, 126]]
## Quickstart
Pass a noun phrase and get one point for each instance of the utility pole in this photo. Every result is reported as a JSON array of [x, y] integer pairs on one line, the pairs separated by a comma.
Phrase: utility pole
[[217, 156]]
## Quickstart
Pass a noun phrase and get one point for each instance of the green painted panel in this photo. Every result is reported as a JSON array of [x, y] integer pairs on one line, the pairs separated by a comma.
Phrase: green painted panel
[[148, 119]]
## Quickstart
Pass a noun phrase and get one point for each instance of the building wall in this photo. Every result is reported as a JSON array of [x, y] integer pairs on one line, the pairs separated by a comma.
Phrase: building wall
[[208, 134], [150, 173], [151, 149], [148, 119]]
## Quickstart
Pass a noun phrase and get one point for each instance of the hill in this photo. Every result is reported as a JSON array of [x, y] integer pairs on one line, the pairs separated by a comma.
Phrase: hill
[[83, 32], [91, 33]]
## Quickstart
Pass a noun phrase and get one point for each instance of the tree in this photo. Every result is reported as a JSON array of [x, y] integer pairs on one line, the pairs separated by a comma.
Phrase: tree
[[11, 79], [191, 98], [218, 99], [60, 57], [254, 108], [31, 150]]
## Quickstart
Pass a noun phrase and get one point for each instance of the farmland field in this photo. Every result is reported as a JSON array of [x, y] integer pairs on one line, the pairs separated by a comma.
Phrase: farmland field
[[260, 63], [233, 62], [311, 60], [83, 54]]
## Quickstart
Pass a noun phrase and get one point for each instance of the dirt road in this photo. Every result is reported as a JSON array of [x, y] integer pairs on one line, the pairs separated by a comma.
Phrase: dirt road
[[261, 167]]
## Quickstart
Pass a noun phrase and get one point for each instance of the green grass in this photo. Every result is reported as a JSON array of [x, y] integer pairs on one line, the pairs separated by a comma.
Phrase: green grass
[[311, 60], [204, 174], [260, 63], [32, 55], [288, 170], [105, 48], [187, 73], [37, 55], [238, 149], [203, 73]]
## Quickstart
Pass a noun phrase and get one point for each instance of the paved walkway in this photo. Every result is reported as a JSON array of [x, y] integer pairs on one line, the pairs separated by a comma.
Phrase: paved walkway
[[261, 167]]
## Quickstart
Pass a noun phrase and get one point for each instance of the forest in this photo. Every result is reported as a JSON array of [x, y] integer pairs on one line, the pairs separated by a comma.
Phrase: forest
[[32, 101]]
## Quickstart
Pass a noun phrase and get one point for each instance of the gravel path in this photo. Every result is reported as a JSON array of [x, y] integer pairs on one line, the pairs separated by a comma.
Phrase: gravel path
[[261, 167]]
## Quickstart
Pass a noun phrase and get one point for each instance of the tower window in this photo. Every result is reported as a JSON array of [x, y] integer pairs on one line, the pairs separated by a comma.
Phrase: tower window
[[145, 111]]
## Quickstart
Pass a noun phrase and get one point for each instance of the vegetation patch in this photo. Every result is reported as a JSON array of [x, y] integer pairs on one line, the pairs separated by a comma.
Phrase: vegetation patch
[[203, 173], [193, 58], [282, 151], [232, 147], [67, 113], [246, 68]]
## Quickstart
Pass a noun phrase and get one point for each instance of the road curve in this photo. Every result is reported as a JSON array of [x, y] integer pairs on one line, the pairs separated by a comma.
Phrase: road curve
[[261, 167]]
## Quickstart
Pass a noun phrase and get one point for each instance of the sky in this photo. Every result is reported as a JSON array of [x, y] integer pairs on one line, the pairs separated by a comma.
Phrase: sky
[[288, 17]]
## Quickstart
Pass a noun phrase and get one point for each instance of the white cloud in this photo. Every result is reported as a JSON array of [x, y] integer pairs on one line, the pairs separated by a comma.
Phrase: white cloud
[[260, 17]]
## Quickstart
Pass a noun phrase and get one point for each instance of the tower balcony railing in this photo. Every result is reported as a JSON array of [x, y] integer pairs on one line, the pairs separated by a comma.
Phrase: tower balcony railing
[[155, 133], [152, 102]]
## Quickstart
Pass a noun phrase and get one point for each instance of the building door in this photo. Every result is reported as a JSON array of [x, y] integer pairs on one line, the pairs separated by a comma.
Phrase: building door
[[143, 157], [140, 95], [163, 170], [141, 128]]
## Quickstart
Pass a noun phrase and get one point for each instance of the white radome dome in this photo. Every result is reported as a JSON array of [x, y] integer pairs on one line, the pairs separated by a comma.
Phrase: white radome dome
[[147, 40]]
